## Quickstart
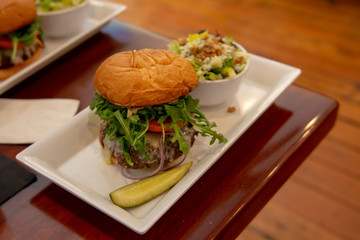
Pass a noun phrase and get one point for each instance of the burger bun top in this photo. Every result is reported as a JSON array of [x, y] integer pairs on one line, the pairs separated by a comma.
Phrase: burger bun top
[[15, 14], [144, 77]]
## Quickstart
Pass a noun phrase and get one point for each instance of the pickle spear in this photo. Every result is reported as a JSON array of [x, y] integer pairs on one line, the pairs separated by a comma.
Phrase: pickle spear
[[144, 190]]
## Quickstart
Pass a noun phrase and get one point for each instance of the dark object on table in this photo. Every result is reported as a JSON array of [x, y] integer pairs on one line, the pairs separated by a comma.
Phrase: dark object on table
[[13, 178]]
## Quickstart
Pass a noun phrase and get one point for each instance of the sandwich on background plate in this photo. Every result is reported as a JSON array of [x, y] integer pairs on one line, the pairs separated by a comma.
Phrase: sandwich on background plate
[[20, 36]]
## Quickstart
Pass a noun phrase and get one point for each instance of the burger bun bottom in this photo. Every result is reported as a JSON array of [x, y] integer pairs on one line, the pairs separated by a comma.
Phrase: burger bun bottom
[[8, 72]]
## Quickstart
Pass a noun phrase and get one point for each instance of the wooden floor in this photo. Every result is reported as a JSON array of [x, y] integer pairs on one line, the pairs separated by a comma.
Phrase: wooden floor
[[322, 199]]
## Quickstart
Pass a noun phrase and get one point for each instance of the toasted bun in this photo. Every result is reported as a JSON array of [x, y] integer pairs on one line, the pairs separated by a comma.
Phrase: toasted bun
[[15, 14], [7, 72], [144, 78]]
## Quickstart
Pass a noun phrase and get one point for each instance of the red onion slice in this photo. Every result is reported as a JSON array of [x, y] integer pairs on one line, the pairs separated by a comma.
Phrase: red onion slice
[[175, 165], [156, 171]]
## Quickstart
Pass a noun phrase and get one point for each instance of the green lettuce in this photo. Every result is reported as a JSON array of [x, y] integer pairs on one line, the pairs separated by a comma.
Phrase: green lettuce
[[26, 35], [174, 47], [130, 130]]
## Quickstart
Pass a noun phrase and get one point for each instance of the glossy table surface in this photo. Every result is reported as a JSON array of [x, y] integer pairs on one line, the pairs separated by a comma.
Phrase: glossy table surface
[[220, 204]]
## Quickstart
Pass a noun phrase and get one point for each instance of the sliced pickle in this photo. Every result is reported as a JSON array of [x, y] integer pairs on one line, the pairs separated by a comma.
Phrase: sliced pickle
[[144, 190]]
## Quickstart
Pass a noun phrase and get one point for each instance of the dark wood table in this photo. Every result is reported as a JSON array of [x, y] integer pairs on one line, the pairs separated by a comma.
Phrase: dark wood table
[[220, 204]]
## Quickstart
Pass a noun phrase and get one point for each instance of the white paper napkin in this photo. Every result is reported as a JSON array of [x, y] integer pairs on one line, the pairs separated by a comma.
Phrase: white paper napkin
[[24, 121]]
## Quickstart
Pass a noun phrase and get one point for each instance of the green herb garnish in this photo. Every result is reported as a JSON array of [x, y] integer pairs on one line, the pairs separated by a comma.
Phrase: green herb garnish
[[130, 130], [26, 35]]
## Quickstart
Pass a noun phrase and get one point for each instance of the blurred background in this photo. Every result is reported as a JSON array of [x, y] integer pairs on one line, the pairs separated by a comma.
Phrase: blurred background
[[321, 37]]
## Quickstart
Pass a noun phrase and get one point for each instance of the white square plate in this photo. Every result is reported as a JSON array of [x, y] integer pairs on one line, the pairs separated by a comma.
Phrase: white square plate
[[101, 13], [71, 156]]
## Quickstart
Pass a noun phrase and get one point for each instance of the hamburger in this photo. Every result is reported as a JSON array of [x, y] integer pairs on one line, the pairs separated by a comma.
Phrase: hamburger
[[20, 36], [149, 120]]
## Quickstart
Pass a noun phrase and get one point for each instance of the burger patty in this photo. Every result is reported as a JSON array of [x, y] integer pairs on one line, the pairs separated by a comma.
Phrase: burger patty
[[171, 149], [22, 54]]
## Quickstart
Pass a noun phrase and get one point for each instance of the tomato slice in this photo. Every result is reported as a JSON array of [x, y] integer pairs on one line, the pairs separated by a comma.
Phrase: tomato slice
[[5, 42], [154, 126]]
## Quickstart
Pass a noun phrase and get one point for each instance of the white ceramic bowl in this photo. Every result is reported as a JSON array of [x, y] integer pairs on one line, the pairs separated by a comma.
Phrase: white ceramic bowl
[[65, 22], [215, 92]]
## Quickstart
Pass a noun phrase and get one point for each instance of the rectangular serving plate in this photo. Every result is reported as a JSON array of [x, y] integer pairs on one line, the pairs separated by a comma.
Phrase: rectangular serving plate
[[72, 158], [100, 13]]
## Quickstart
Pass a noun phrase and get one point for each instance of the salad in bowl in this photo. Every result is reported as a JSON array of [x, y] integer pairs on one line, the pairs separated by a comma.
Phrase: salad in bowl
[[55, 5], [219, 62], [213, 57], [62, 18]]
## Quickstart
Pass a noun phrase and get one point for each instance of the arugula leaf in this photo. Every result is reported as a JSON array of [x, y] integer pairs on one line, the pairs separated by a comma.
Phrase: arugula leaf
[[125, 124], [126, 153], [26, 35], [130, 131]]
